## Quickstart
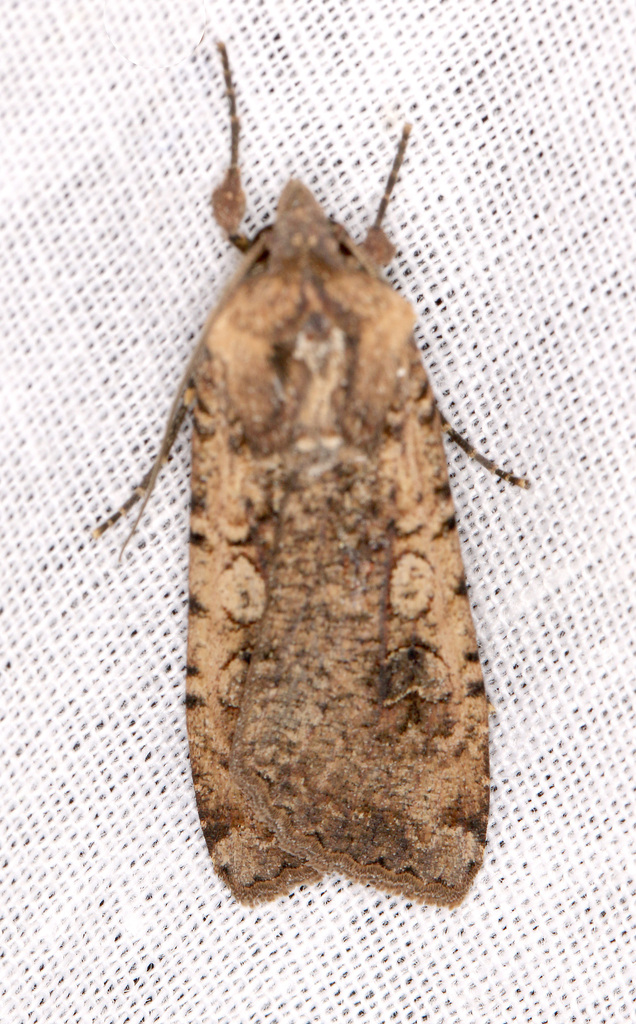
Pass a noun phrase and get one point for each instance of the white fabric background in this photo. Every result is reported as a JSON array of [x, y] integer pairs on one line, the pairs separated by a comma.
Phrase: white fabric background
[[515, 221]]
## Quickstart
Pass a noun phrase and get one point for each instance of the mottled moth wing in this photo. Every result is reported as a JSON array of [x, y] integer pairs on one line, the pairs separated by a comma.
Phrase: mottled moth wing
[[234, 493], [336, 709]]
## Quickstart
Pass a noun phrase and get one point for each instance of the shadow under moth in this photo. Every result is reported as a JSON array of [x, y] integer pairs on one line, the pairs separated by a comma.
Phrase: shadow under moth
[[335, 703]]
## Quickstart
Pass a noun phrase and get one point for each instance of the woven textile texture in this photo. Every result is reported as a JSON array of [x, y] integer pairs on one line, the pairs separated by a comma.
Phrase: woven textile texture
[[515, 226]]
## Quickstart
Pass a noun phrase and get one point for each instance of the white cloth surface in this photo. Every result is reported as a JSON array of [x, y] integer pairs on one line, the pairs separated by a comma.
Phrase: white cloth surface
[[515, 223]]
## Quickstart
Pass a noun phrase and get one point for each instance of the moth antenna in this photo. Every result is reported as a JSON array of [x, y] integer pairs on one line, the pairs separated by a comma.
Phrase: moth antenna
[[235, 124], [393, 176], [376, 245], [228, 200]]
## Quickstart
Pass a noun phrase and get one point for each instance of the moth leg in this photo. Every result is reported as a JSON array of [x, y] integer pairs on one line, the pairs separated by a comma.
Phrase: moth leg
[[184, 395], [466, 446], [376, 245], [228, 200], [142, 488]]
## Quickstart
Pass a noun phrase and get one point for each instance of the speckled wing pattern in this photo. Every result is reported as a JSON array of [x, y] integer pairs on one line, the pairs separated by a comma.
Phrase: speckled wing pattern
[[336, 710]]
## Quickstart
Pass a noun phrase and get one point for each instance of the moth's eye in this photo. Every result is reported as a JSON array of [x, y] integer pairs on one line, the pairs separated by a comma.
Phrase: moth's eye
[[317, 325], [279, 358]]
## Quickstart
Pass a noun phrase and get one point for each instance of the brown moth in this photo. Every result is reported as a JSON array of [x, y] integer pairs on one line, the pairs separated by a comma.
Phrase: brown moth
[[335, 703]]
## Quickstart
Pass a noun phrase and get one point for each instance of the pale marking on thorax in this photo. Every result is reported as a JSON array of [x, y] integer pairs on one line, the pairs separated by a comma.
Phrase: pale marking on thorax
[[325, 358]]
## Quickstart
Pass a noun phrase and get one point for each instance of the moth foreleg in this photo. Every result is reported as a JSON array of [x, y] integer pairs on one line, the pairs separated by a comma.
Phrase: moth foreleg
[[142, 487], [466, 446]]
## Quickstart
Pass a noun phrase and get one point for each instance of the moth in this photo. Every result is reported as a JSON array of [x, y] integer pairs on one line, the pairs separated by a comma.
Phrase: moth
[[336, 710]]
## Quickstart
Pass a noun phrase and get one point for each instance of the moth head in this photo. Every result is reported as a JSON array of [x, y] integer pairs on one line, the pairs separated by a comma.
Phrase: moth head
[[302, 233]]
